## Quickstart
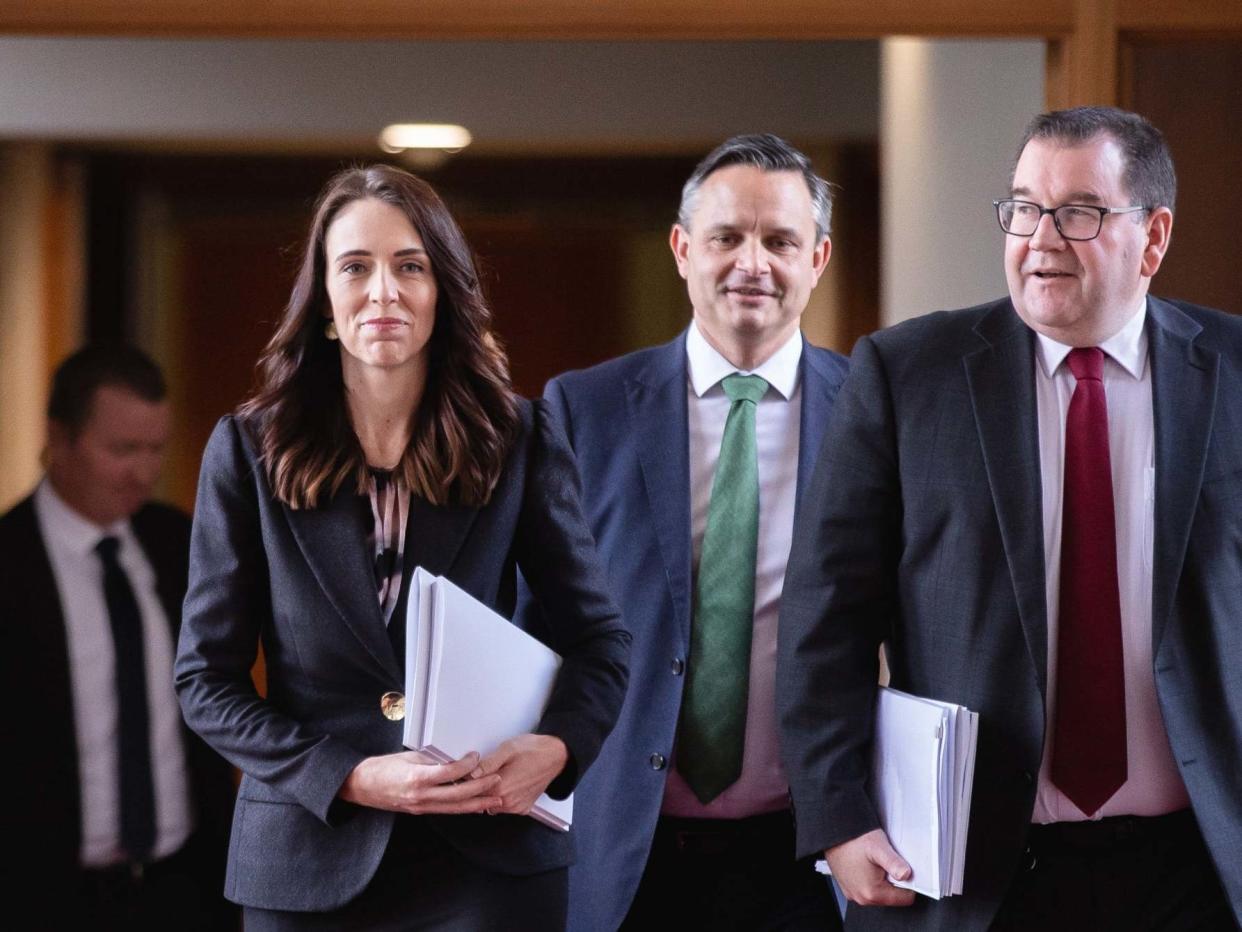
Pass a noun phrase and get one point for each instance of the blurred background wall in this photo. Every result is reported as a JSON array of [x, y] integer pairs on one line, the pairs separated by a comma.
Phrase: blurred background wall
[[156, 175]]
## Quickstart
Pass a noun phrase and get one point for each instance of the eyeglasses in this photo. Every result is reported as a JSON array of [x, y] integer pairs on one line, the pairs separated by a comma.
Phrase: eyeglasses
[[1078, 222]]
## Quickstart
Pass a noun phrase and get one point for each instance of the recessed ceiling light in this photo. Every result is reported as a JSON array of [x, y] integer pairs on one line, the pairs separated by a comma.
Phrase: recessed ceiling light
[[398, 137]]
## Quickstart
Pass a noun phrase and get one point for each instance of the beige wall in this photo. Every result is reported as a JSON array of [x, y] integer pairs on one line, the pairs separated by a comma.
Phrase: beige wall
[[951, 115]]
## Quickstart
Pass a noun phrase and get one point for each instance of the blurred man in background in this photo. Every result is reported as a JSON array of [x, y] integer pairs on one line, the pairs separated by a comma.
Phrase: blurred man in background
[[118, 818]]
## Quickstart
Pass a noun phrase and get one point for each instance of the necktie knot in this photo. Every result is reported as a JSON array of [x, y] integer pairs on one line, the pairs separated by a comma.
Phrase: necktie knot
[[740, 387], [1086, 362], [107, 549]]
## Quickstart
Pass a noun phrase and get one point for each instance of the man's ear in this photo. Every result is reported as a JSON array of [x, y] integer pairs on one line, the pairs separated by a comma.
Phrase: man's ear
[[679, 242], [820, 257], [1159, 232]]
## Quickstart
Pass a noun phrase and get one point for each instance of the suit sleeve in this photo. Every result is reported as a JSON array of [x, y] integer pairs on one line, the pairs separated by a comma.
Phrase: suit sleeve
[[557, 557], [227, 604], [838, 602]]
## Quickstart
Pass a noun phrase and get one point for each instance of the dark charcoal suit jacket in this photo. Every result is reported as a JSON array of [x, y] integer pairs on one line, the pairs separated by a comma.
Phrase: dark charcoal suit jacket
[[302, 583], [43, 829], [923, 528]]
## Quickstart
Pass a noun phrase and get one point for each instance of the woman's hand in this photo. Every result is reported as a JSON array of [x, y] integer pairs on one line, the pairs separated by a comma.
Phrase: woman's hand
[[404, 782], [525, 765]]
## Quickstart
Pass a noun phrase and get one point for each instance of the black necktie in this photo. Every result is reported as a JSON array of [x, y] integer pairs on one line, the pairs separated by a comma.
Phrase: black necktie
[[134, 747]]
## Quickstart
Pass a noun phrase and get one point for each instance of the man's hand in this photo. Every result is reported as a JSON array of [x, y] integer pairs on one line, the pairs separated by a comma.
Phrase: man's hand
[[861, 865], [405, 782], [525, 765]]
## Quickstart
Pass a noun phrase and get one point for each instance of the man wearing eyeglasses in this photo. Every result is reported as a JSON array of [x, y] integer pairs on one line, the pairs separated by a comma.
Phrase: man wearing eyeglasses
[[1045, 525]]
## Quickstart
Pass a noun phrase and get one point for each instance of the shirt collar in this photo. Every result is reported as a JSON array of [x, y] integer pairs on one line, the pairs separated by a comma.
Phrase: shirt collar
[[707, 367], [1127, 347], [69, 528]]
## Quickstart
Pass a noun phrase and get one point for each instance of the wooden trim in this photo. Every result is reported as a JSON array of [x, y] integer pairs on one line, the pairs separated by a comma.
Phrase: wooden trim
[[1216, 19], [63, 263], [1082, 67], [1093, 54], [534, 19], [607, 19], [1057, 74]]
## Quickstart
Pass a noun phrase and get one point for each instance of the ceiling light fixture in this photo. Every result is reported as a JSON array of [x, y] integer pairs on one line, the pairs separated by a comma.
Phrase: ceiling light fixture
[[401, 137]]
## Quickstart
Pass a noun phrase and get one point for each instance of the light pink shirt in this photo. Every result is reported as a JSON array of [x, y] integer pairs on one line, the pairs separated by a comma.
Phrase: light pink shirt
[[762, 786], [1154, 785]]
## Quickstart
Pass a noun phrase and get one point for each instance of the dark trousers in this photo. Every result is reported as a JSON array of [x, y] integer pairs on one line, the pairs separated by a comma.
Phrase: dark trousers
[[730, 874], [182, 891], [1126, 873], [422, 883]]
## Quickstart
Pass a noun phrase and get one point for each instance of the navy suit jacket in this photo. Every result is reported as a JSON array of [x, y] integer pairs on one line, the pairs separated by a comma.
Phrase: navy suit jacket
[[44, 825], [923, 527], [302, 583], [626, 420]]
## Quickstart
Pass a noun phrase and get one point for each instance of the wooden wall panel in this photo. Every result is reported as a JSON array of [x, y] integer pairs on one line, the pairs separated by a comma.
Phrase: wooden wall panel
[[1200, 114]]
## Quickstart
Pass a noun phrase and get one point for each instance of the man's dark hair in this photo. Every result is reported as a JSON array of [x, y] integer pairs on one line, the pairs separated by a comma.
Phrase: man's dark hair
[[1149, 177], [78, 378], [771, 154]]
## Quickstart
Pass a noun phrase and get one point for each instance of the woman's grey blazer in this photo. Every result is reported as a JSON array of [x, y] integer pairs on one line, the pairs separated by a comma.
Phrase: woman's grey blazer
[[301, 583]]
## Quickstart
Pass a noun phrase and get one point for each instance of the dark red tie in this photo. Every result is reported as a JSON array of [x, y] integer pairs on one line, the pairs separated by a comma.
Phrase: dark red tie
[[1089, 745]]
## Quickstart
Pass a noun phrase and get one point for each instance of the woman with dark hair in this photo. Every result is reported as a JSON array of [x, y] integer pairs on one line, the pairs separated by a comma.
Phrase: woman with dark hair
[[383, 436]]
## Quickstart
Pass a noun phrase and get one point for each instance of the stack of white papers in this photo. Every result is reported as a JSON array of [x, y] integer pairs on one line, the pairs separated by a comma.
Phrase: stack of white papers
[[473, 680], [923, 768], [922, 772]]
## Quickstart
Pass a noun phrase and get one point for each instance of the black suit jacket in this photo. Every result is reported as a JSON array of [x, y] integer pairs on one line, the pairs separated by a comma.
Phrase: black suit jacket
[[302, 583], [43, 819], [923, 528]]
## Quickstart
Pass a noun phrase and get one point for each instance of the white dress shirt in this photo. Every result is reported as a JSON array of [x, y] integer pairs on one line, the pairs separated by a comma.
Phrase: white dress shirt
[[1153, 785], [762, 786], [70, 540]]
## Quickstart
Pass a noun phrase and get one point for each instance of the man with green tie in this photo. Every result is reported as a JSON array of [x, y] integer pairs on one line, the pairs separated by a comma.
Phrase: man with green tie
[[692, 455]]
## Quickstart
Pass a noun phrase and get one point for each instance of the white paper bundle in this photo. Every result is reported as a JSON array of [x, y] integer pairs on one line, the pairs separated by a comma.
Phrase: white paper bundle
[[473, 680]]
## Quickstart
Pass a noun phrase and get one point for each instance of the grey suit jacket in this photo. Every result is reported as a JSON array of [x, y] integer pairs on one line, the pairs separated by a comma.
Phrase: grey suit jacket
[[302, 583], [923, 528]]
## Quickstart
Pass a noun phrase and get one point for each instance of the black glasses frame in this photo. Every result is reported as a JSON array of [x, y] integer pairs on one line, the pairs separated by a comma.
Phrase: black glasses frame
[[1052, 211]]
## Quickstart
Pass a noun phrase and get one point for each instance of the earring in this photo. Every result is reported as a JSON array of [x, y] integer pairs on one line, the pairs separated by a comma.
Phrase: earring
[[330, 331]]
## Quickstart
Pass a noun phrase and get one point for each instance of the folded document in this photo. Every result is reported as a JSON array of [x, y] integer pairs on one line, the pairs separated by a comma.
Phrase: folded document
[[922, 772], [473, 680]]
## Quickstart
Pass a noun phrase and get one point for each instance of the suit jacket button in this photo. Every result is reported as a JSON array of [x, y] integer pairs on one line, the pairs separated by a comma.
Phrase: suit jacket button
[[1027, 777], [678, 666], [657, 761], [392, 704]]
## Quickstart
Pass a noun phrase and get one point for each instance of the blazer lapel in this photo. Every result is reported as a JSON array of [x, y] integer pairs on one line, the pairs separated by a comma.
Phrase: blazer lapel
[[333, 539], [659, 425], [1001, 379], [1183, 388]]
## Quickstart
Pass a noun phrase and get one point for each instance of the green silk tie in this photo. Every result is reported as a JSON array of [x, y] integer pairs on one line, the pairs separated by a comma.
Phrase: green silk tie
[[713, 712]]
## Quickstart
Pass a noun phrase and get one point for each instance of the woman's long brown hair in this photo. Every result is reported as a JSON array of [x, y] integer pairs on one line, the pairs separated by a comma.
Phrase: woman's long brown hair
[[467, 416]]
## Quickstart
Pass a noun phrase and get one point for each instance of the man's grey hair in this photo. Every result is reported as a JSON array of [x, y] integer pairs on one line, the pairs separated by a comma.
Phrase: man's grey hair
[[771, 154], [1148, 174]]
